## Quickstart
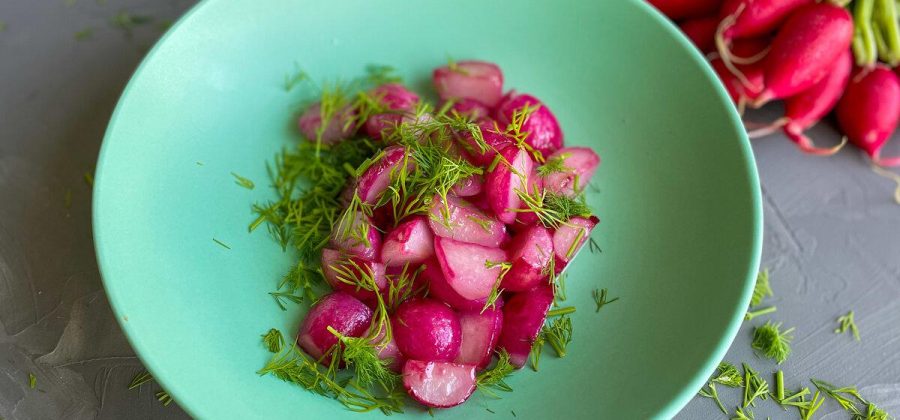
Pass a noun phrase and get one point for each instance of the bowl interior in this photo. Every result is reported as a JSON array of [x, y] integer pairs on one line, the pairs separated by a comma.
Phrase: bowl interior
[[677, 193]]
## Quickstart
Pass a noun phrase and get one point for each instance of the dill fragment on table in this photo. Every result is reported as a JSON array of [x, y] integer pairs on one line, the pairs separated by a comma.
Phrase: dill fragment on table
[[494, 379], [164, 398], [772, 342], [754, 387], [761, 288], [32, 381], [127, 22], [600, 299], [84, 34], [846, 323], [89, 179], [140, 379]]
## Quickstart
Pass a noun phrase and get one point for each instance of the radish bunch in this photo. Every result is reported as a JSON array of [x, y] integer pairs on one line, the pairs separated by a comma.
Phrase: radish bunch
[[802, 52], [451, 234]]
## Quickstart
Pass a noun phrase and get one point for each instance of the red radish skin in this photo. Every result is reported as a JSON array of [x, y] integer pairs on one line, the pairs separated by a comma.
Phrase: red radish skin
[[438, 384], [501, 184], [523, 317], [427, 330], [570, 237], [471, 109], [376, 178], [368, 249], [342, 312], [748, 90], [493, 137], [469, 186], [480, 333], [410, 242], [457, 219], [680, 9], [869, 110], [529, 253], [440, 289], [394, 97], [702, 32], [470, 270], [544, 133], [579, 164], [334, 262], [477, 80], [805, 49], [339, 127]]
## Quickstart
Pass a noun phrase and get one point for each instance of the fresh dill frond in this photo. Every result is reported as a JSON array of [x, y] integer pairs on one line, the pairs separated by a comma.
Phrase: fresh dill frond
[[222, 244], [764, 311], [772, 342], [754, 387], [813, 405], [360, 354], [710, 392], [380, 74], [599, 296], [493, 379], [401, 286], [761, 289], [496, 291], [847, 323], [558, 334], [561, 311], [559, 287], [846, 397], [537, 348], [281, 298], [797, 399], [32, 380], [740, 414], [84, 34], [555, 164], [273, 340], [728, 375], [164, 398], [244, 182], [553, 210], [140, 379]]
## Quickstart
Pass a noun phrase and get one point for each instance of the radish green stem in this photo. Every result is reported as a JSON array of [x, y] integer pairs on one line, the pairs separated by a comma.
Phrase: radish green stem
[[886, 17], [764, 311], [561, 311], [864, 48]]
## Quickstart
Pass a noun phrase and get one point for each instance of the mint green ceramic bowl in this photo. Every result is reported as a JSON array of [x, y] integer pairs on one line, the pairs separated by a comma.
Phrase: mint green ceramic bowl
[[679, 197]]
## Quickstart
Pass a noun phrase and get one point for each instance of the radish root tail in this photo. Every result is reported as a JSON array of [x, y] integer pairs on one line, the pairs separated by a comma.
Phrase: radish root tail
[[806, 145], [724, 46], [756, 131], [889, 175], [752, 59]]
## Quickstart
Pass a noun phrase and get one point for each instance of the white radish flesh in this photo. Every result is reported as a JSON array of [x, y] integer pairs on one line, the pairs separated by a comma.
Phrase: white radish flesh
[[377, 178], [578, 166], [480, 333], [438, 384], [470, 270], [501, 184], [530, 253], [476, 80], [410, 242], [459, 220], [570, 237]]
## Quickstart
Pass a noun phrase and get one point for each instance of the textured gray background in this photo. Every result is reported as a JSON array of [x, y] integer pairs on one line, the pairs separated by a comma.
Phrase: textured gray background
[[832, 233]]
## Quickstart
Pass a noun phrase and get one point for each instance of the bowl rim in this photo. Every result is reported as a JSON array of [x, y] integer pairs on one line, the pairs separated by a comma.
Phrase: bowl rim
[[669, 410]]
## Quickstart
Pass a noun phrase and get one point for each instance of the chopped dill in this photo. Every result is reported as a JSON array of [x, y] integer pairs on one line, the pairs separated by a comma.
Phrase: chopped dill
[[164, 398], [84, 34], [495, 289], [847, 323], [89, 179], [555, 164], [739, 414], [222, 244], [140, 379], [294, 78], [558, 334], [490, 411], [281, 298], [761, 289], [728, 375], [561, 311], [273, 340], [32, 380], [359, 354], [244, 182], [764, 311], [772, 342], [536, 349], [754, 387], [599, 296], [710, 392], [553, 210], [513, 413], [493, 379], [850, 400]]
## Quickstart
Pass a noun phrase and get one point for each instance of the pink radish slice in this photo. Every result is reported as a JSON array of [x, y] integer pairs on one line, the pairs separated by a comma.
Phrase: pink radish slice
[[470, 79], [530, 253], [459, 220], [377, 178], [394, 97], [335, 264], [342, 312], [523, 317], [507, 177], [494, 138], [471, 109], [339, 126], [466, 267], [524, 219], [380, 125], [680, 9], [410, 242], [570, 237], [426, 329], [805, 49], [439, 288], [438, 384], [702, 32], [480, 333], [544, 133], [579, 164], [369, 248], [469, 186], [869, 110]]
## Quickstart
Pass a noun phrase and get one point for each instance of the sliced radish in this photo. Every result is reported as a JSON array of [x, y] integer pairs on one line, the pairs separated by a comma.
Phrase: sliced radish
[[471, 109], [341, 270], [438, 384], [342, 312], [469, 186], [476, 80], [439, 288], [363, 240], [339, 127], [470, 270], [544, 134], [570, 237], [426, 329], [530, 253], [501, 184], [578, 166], [394, 97], [480, 332], [494, 139], [410, 242], [459, 220], [377, 178], [523, 317]]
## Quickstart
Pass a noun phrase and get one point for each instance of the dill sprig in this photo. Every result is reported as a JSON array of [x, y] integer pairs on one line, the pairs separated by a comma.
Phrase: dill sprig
[[558, 334], [504, 266], [163, 397], [728, 375], [273, 340], [220, 243], [360, 354], [764, 311], [140, 379], [555, 164], [553, 210], [493, 379], [599, 296], [772, 342], [754, 387], [294, 78], [850, 400], [710, 392], [761, 289], [847, 323], [244, 182], [740, 414]]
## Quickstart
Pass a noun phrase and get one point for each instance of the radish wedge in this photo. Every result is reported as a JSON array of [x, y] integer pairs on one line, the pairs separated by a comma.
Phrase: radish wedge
[[476, 80], [493, 138], [377, 178], [364, 240], [577, 166], [570, 237], [544, 134], [410, 242], [457, 219], [530, 254], [338, 310], [471, 109], [480, 332], [501, 184], [523, 318], [469, 186], [426, 329], [470, 270], [343, 272], [440, 289], [438, 384]]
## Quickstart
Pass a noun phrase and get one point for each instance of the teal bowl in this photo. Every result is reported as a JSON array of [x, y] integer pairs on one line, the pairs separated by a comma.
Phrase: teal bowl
[[678, 195]]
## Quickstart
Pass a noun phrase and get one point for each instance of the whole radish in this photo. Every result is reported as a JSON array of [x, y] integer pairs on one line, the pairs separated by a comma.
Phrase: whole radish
[[754, 73], [869, 111], [680, 9], [805, 49], [702, 32]]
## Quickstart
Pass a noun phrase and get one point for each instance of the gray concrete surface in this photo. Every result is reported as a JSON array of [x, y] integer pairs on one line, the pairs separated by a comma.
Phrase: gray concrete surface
[[832, 233]]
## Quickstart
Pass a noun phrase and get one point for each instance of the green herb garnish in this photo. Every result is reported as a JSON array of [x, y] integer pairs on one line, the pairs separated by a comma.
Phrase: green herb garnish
[[140, 379], [273, 340], [495, 289], [753, 314], [244, 182], [762, 289], [754, 387], [728, 375], [127, 22], [558, 334], [493, 379], [847, 323], [555, 164], [89, 179], [599, 296], [772, 342], [850, 400], [84, 34], [561, 311], [222, 244], [710, 392], [32, 380], [739, 414], [164, 398], [361, 355]]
